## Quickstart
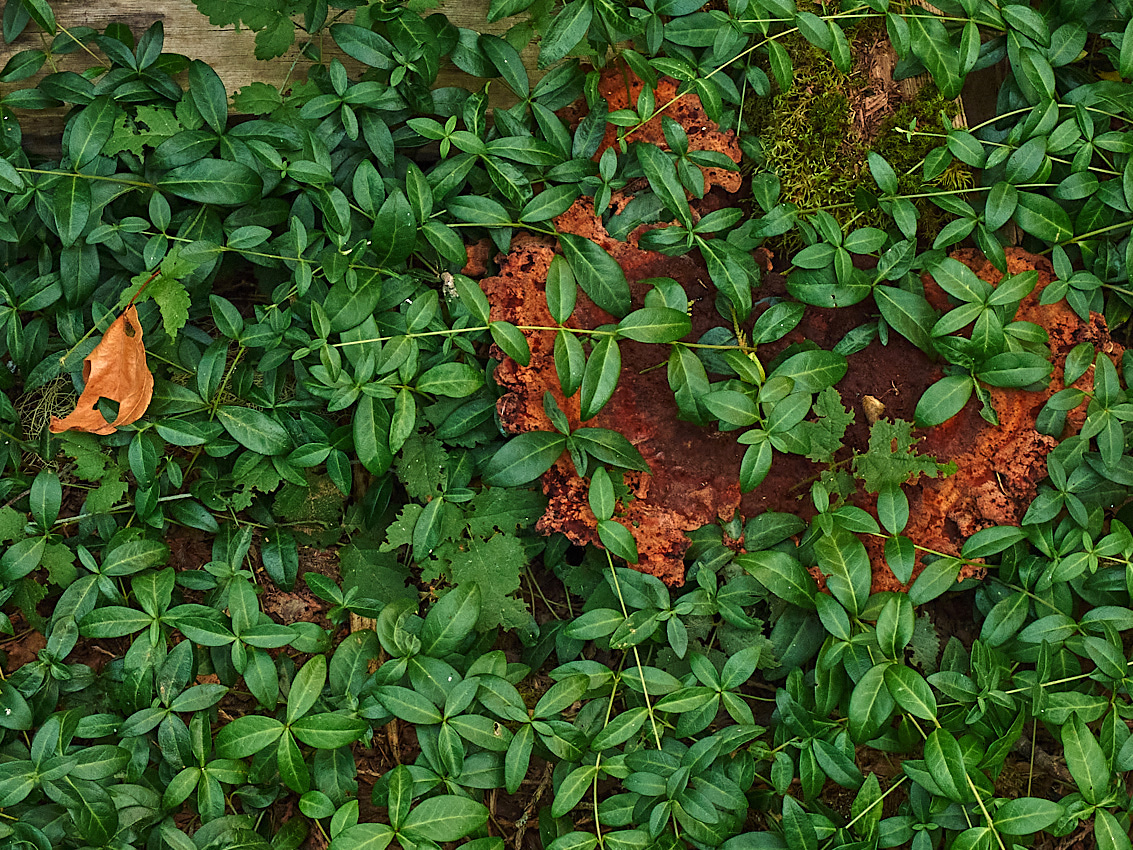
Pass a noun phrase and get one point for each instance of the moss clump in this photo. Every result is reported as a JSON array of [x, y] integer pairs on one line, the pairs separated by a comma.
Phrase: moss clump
[[808, 138]]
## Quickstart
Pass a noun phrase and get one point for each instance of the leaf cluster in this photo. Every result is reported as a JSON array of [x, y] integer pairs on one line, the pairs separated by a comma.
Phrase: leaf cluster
[[324, 374]]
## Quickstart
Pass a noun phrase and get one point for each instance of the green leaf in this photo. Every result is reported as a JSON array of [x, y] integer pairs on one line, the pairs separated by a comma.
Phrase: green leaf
[[452, 380], [782, 574], [561, 290], [935, 579], [572, 789], [1027, 21], [473, 297], [506, 8], [1043, 217], [597, 273], [371, 435], [893, 508], [929, 41], [943, 400], [661, 173], [756, 464], [871, 704], [966, 148], [1125, 56], [570, 361], [798, 830], [450, 620], [511, 341], [908, 313], [328, 731], [40, 12], [524, 458], [408, 705], [508, 62], [600, 378], [883, 173], [306, 687], [552, 201], [213, 181], [91, 130], [21, 558], [610, 447], [1000, 206], [349, 306], [601, 494], [403, 422], [475, 209], [393, 237], [910, 691], [1027, 815], [728, 273], [992, 541], [254, 430], [781, 68], [445, 818], [292, 769], [618, 539], [1015, 369], [622, 726], [833, 616], [732, 407], [1005, 619], [95, 815], [46, 498], [945, 761], [247, 735], [1085, 760], [1108, 832], [812, 371], [363, 836], [363, 44], [10, 179], [895, 626], [655, 324], [566, 30], [71, 205], [209, 95], [843, 559]]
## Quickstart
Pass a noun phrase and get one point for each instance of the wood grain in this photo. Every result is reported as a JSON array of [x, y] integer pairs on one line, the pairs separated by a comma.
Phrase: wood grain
[[230, 51]]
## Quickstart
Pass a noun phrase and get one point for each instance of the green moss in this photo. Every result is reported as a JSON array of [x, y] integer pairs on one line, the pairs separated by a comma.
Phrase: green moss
[[808, 139]]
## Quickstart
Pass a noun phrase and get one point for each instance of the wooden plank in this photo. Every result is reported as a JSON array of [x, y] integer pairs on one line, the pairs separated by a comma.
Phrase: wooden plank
[[230, 51]]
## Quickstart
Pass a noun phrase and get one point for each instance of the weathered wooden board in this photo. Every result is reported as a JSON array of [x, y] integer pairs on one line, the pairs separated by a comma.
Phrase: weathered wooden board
[[230, 51], [227, 49]]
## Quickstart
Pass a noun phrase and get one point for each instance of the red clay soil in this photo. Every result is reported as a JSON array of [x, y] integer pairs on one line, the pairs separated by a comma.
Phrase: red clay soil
[[694, 470], [620, 88], [999, 467]]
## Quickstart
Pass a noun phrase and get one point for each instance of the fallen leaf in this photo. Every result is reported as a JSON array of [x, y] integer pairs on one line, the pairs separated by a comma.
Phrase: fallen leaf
[[116, 370]]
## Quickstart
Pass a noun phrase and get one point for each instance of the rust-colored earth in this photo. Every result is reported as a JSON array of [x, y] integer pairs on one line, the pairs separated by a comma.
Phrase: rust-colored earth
[[694, 470]]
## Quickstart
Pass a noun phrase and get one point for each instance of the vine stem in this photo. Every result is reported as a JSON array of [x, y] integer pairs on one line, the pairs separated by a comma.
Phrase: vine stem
[[636, 655]]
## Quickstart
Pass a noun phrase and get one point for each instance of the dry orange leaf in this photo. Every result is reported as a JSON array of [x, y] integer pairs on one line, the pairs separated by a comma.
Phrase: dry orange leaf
[[116, 370]]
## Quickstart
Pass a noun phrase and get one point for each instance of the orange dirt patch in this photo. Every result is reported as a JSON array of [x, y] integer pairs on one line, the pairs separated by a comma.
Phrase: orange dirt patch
[[999, 467], [694, 471], [621, 91]]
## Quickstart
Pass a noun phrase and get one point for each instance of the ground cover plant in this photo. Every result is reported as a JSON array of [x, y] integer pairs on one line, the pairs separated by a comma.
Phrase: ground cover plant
[[296, 553]]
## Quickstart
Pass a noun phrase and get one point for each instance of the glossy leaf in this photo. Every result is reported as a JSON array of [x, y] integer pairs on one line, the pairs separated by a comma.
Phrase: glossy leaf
[[524, 458], [597, 273]]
